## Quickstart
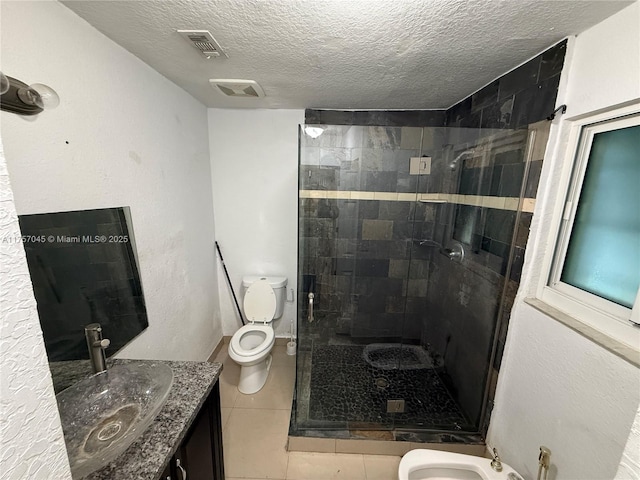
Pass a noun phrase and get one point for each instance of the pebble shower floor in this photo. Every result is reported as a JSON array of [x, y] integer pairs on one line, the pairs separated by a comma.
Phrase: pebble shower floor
[[345, 388]]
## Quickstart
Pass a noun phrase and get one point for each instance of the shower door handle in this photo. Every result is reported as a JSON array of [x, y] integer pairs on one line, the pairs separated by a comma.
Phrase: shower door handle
[[310, 317]]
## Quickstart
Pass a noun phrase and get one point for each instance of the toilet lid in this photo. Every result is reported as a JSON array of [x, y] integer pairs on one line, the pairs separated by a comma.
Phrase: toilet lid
[[260, 302]]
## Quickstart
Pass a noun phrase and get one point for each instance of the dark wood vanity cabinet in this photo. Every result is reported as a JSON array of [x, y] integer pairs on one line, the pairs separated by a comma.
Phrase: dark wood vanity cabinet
[[200, 457], [167, 471]]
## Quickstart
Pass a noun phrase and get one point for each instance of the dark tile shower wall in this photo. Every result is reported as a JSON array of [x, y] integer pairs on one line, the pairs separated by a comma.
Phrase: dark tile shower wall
[[521, 99], [83, 271], [463, 299], [357, 251], [375, 281], [458, 325], [390, 118], [365, 285], [374, 159], [523, 96]]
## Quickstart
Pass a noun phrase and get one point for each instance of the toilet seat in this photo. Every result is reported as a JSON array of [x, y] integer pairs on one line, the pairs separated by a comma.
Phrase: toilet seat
[[269, 338], [260, 302]]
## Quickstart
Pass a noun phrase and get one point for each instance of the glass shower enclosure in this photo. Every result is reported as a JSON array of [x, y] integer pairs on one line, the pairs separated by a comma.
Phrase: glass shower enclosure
[[405, 242]]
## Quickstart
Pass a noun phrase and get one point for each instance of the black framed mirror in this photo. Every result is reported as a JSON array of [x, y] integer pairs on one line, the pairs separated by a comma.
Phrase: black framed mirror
[[84, 269]]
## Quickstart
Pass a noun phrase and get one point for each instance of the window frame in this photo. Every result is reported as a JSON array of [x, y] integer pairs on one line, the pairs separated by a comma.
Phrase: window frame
[[615, 321]]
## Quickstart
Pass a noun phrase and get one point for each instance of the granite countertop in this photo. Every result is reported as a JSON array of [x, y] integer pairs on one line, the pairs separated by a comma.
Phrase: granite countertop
[[147, 457]]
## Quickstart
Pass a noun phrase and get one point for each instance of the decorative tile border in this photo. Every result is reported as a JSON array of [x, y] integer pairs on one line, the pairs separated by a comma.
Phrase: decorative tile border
[[500, 203]]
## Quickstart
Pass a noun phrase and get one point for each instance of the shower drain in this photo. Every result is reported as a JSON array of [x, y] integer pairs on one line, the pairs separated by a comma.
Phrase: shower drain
[[381, 382]]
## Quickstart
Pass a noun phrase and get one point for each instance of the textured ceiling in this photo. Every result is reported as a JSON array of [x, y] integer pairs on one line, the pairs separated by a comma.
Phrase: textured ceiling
[[343, 54]]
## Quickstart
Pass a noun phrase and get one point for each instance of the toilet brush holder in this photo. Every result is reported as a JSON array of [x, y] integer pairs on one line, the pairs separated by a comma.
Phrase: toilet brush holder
[[291, 348]]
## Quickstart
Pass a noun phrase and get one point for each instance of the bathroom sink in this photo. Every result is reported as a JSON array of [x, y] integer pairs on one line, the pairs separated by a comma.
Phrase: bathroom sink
[[103, 414]]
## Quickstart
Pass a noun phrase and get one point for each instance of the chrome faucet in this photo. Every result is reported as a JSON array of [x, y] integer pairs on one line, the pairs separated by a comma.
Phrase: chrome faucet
[[96, 345], [496, 464]]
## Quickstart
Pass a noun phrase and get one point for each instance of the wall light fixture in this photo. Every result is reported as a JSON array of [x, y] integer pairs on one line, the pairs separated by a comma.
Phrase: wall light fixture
[[23, 99]]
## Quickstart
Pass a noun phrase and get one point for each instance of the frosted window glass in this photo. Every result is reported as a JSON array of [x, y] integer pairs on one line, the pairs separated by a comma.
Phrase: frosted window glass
[[604, 250]]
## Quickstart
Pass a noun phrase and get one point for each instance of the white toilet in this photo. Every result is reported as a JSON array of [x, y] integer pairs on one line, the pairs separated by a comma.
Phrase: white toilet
[[425, 464], [250, 346]]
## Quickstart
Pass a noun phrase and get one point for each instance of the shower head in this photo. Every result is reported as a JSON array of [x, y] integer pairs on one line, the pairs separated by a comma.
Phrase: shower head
[[454, 163]]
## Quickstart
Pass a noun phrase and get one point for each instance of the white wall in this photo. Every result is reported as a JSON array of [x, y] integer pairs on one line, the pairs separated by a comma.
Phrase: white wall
[[31, 441], [254, 162], [556, 388], [559, 389], [629, 467], [122, 135]]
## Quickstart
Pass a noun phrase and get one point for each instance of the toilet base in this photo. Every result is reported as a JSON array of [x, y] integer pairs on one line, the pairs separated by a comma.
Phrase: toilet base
[[253, 377]]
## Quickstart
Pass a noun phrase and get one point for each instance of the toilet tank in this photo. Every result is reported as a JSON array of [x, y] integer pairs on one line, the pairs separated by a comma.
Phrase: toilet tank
[[279, 285]]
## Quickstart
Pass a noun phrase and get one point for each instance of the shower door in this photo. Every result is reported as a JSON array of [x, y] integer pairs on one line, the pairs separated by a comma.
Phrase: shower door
[[468, 206], [357, 203], [387, 332]]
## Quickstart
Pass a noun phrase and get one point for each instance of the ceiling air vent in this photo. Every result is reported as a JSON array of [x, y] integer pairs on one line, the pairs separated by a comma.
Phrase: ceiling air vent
[[204, 42], [237, 88]]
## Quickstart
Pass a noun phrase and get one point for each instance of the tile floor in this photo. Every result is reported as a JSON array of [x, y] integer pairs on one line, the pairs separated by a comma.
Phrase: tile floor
[[255, 427]]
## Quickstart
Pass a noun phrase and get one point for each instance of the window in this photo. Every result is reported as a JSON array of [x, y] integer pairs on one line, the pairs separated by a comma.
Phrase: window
[[594, 271]]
